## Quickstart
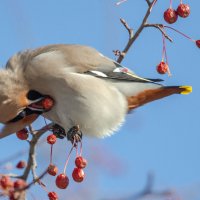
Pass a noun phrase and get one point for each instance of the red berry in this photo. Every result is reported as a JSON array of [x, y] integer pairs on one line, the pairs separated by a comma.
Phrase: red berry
[[198, 43], [21, 164], [19, 184], [80, 162], [5, 182], [22, 134], [162, 68], [78, 174], [47, 103], [51, 139], [52, 196], [170, 16], [52, 170], [183, 10], [62, 181]]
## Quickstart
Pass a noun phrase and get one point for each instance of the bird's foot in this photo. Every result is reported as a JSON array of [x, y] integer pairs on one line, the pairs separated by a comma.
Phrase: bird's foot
[[58, 131], [74, 135]]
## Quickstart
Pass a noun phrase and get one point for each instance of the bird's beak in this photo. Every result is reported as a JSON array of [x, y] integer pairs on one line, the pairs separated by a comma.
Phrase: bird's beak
[[12, 127], [36, 105]]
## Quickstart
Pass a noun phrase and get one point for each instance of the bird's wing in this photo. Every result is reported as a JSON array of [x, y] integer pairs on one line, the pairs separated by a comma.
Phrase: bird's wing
[[75, 58]]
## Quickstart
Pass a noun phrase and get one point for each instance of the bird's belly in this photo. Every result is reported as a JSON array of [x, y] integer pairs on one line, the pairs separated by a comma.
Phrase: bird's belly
[[99, 111]]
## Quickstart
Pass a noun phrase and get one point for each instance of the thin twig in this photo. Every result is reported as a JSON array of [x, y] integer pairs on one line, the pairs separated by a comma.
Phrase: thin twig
[[148, 2], [160, 27], [10, 175], [131, 41], [148, 190], [33, 182], [130, 30]]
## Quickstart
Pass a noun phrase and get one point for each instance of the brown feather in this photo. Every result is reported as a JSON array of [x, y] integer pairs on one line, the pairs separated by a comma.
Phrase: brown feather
[[151, 95], [10, 128]]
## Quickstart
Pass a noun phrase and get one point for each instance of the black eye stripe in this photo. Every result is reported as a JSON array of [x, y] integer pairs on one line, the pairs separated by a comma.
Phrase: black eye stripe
[[33, 95], [20, 116], [23, 114]]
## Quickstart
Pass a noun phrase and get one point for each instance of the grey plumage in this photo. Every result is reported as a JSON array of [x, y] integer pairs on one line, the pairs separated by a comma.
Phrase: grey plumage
[[96, 102]]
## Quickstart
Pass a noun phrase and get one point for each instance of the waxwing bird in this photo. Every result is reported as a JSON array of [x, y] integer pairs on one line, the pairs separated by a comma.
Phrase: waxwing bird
[[89, 89]]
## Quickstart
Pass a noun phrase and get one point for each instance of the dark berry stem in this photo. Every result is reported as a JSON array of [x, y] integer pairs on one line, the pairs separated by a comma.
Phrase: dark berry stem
[[68, 157], [164, 53], [81, 148], [43, 186], [180, 33], [170, 4], [51, 154], [163, 50]]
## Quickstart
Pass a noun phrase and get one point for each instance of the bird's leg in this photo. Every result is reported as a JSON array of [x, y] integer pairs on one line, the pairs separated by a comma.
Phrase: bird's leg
[[74, 135], [58, 131]]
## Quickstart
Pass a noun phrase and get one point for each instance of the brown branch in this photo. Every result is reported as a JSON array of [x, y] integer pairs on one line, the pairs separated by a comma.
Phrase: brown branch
[[37, 180], [160, 27], [131, 41], [130, 30], [31, 163], [148, 2], [148, 191]]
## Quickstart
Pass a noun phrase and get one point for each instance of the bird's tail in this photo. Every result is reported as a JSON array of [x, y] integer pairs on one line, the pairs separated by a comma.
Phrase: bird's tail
[[149, 95]]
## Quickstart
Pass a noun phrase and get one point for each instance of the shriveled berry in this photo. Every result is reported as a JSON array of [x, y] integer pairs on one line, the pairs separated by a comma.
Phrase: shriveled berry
[[62, 181], [162, 68], [47, 103], [78, 174], [5, 182], [198, 43], [80, 162], [21, 164], [52, 196], [51, 139], [183, 10], [52, 170], [19, 184], [22, 134], [170, 16]]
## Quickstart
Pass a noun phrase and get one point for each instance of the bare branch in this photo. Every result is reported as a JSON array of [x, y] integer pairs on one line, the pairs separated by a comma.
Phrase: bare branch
[[131, 41], [148, 190], [34, 181], [130, 30], [31, 164], [161, 28], [148, 2]]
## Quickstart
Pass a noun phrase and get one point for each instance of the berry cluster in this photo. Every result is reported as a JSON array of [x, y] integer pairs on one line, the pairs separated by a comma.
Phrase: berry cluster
[[10, 188], [62, 180], [170, 16]]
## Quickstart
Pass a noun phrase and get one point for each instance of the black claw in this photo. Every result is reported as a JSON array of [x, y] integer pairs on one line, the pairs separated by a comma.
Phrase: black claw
[[58, 131], [74, 135]]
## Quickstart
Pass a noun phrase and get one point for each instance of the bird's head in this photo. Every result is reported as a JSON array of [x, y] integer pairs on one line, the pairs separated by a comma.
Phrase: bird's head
[[15, 98]]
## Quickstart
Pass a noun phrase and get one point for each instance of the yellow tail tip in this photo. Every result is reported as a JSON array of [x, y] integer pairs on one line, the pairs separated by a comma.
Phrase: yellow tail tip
[[187, 89]]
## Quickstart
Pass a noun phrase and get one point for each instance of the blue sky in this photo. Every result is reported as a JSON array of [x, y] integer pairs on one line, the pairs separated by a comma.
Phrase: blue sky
[[163, 136]]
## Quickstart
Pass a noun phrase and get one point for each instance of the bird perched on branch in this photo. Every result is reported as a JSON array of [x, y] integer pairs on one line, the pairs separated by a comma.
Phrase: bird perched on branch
[[89, 90]]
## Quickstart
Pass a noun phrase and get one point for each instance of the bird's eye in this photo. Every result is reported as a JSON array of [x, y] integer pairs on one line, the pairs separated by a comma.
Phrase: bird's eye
[[33, 95]]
